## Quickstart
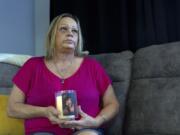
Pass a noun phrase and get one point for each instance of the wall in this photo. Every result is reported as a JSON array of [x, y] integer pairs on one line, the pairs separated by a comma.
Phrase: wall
[[42, 19], [20, 28]]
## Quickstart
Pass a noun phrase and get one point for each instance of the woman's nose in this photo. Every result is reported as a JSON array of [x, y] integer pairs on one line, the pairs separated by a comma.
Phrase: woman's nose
[[69, 32]]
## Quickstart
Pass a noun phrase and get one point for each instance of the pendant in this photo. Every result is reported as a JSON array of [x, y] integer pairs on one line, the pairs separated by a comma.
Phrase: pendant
[[62, 81]]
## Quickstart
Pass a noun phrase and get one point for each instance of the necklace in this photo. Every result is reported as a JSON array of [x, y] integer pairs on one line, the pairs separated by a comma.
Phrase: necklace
[[62, 71]]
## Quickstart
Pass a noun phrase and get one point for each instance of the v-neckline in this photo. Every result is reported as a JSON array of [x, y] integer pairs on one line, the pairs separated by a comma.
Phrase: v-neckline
[[62, 79]]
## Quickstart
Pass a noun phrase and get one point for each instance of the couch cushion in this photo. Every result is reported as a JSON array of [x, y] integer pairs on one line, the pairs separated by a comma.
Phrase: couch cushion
[[9, 126], [118, 66], [157, 61], [6, 73], [14, 59], [154, 94]]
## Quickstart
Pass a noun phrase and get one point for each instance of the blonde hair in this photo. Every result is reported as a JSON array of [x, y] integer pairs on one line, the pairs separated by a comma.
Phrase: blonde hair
[[51, 37]]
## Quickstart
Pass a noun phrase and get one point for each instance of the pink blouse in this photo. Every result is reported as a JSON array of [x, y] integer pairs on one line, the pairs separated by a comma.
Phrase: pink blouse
[[39, 85]]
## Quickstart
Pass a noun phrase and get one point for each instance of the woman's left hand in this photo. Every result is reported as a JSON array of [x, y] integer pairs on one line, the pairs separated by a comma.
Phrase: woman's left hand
[[86, 121]]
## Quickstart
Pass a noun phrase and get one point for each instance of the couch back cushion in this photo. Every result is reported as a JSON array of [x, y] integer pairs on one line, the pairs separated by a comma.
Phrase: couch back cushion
[[118, 66], [7, 71], [154, 95]]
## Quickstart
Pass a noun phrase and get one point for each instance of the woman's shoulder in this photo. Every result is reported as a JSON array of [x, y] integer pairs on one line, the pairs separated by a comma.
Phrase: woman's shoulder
[[34, 60]]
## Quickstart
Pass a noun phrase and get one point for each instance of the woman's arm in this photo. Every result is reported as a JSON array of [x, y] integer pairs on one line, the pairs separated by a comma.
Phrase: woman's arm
[[109, 110], [110, 106], [17, 108]]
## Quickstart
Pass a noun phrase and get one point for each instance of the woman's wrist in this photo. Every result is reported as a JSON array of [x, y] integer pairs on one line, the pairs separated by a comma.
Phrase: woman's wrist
[[100, 119], [43, 111]]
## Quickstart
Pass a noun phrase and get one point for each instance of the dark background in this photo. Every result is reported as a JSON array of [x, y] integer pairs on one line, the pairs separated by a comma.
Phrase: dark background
[[117, 25]]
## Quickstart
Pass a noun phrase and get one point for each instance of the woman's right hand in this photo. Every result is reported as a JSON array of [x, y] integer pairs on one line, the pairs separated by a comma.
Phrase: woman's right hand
[[52, 114]]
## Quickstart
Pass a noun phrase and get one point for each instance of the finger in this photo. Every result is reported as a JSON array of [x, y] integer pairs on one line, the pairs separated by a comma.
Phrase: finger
[[54, 121], [66, 125], [59, 112], [62, 120], [73, 123], [62, 125], [73, 129], [78, 127]]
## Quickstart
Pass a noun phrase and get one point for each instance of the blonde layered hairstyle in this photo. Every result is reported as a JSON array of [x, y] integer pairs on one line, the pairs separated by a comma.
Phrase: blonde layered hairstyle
[[51, 37]]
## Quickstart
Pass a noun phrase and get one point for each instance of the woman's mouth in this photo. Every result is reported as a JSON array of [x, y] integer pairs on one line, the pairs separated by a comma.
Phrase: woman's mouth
[[69, 41]]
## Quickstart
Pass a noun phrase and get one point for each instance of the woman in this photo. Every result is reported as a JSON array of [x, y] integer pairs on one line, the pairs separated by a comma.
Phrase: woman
[[32, 97]]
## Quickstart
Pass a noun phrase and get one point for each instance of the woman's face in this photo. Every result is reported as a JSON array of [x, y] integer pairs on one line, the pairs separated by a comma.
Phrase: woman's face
[[67, 35], [69, 102]]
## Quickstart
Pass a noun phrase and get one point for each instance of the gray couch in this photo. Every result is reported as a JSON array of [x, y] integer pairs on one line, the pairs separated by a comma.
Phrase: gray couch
[[147, 85]]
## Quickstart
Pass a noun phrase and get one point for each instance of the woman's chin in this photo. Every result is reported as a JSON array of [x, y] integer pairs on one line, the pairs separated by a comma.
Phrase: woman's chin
[[70, 46]]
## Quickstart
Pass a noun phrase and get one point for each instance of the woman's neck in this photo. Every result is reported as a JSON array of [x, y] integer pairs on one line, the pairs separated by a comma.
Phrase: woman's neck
[[63, 58]]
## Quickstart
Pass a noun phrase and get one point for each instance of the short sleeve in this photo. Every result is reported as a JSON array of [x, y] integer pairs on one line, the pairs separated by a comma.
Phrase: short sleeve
[[102, 78], [23, 77]]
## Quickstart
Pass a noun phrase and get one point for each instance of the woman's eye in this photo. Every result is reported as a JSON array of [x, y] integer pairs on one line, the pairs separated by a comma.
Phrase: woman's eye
[[74, 31], [66, 29], [63, 29]]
